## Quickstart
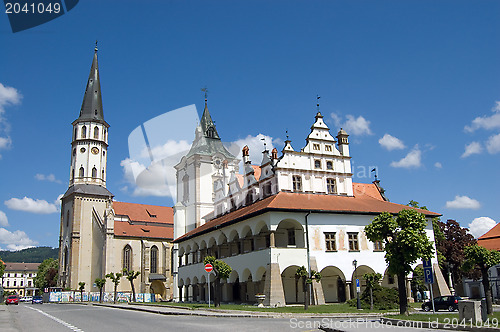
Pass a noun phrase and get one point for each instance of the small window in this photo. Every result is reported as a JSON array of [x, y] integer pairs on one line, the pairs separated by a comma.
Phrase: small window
[[96, 132], [316, 147], [317, 163], [74, 152], [84, 132], [331, 186], [353, 241], [297, 183], [330, 243], [329, 165], [378, 246], [127, 258], [328, 148], [76, 133], [82, 170], [94, 172], [291, 236]]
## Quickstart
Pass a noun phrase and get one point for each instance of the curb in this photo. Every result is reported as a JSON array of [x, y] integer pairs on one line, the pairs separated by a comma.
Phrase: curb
[[435, 325]]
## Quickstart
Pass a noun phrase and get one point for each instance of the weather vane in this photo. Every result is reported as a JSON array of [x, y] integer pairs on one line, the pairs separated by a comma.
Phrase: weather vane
[[95, 49], [286, 131], [206, 93], [264, 140], [375, 170], [317, 101]]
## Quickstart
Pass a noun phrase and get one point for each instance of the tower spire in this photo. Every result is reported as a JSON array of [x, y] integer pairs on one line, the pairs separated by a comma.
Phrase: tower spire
[[206, 123], [92, 100]]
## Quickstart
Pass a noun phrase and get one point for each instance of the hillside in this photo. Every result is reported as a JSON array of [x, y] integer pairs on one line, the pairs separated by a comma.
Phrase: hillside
[[29, 255]]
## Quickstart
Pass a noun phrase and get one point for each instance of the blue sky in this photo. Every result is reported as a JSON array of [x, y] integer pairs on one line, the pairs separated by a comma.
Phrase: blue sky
[[415, 83]]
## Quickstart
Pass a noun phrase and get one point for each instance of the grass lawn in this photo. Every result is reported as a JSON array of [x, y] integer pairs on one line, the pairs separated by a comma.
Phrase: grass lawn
[[327, 308]]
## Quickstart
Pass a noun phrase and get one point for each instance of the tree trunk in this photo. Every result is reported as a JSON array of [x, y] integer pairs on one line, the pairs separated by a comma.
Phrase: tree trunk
[[100, 295], [487, 290], [403, 301], [133, 290], [306, 293], [81, 295], [114, 297], [371, 298], [217, 291]]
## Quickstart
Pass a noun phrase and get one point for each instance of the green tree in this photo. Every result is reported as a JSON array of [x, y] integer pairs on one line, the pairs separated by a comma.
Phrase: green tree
[[47, 273], [81, 286], [115, 278], [131, 276], [302, 275], [2, 267], [482, 259], [371, 279], [405, 241], [222, 272], [100, 284]]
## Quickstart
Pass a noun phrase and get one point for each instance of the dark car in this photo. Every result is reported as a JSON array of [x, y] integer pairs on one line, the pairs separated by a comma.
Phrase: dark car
[[37, 299], [12, 299], [449, 303]]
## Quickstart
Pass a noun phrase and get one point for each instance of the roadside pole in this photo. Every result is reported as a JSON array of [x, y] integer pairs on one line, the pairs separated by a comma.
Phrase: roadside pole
[[208, 269], [429, 279]]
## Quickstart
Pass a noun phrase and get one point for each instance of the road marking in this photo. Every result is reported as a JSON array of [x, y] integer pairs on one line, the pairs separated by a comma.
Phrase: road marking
[[71, 327]]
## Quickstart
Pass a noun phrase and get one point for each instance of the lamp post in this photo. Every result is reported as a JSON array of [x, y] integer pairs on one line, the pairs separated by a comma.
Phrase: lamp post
[[358, 302]]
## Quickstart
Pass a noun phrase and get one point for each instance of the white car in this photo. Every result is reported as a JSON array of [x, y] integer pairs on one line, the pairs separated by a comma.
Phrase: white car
[[26, 299]]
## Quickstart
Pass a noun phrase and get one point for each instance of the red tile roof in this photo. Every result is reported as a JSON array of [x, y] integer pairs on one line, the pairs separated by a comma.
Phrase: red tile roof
[[367, 200], [145, 221], [491, 240]]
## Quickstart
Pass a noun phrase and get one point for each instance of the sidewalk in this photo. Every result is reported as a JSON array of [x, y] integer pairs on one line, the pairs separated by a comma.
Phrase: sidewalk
[[6, 320]]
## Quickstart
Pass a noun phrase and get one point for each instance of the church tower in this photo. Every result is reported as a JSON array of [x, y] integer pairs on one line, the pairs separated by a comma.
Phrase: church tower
[[87, 202]]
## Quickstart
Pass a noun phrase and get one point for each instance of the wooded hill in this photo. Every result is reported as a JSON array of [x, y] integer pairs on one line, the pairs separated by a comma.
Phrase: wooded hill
[[29, 255]]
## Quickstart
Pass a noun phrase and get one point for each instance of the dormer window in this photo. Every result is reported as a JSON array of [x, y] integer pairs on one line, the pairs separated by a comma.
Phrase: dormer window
[[329, 165], [317, 163], [316, 146]]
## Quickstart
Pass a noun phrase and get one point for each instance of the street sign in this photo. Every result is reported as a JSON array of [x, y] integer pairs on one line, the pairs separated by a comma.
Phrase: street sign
[[358, 287], [208, 268], [428, 274]]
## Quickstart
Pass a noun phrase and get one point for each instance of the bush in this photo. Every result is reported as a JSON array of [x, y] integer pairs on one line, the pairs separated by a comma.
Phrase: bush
[[383, 298]]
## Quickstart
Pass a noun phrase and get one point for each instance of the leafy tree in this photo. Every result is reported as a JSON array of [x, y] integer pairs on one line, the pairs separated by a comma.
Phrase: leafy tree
[[115, 278], [2, 267], [301, 274], [131, 276], [100, 284], [482, 259], [452, 244], [222, 272], [81, 286], [405, 241], [372, 279], [47, 273]]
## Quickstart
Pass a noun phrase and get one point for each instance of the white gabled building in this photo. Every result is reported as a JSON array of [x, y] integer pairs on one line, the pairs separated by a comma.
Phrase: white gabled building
[[297, 209]]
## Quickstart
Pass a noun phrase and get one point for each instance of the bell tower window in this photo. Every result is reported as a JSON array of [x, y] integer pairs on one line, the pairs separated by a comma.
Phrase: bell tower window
[[96, 132], [80, 173], [84, 132], [94, 172]]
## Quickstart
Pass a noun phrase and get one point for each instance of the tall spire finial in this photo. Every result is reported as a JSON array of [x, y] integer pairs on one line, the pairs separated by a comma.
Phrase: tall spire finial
[[206, 94], [95, 49], [286, 131], [265, 145], [317, 101]]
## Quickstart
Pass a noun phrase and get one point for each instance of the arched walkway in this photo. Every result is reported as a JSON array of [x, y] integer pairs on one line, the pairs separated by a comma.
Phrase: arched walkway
[[333, 284], [294, 290]]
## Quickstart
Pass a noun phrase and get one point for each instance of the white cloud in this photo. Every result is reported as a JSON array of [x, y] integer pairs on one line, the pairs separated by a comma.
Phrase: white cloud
[[352, 125], [27, 204], [255, 145], [391, 143], [8, 96], [472, 148], [5, 143], [463, 202], [50, 178], [493, 144], [357, 126], [438, 165], [486, 122], [479, 226], [412, 160], [16, 240], [4, 221]]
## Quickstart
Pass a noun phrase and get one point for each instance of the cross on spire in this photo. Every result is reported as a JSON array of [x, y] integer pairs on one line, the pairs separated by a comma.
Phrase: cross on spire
[[206, 94], [95, 49]]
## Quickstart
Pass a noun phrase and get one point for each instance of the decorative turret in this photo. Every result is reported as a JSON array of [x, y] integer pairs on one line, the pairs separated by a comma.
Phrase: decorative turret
[[207, 125], [343, 142], [245, 153]]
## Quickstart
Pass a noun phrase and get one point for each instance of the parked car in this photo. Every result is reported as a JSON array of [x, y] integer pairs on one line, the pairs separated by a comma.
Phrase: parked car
[[12, 299], [37, 299], [26, 299], [449, 303]]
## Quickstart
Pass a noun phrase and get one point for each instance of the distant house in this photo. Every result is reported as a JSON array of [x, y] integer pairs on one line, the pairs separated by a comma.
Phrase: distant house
[[18, 277], [474, 288]]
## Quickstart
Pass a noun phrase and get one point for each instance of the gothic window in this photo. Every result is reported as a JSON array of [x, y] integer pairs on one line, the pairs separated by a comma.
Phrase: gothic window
[[378, 246], [84, 132], [67, 218], [331, 186], [72, 173], [154, 260], [96, 132], [65, 259], [127, 258], [297, 183], [94, 172], [329, 165], [330, 243], [316, 147], [317, 163], [328, 148], [81, 172], [353, 241]]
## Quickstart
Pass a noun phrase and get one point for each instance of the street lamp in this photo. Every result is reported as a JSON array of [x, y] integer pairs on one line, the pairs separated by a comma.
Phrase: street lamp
[[358, 302]]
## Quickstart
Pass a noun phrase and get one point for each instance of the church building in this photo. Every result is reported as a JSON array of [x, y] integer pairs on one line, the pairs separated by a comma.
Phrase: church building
[[300, 208], [99, 235]]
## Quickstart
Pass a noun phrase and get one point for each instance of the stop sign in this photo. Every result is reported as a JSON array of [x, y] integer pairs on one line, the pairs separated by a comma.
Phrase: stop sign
[[208, 268]]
